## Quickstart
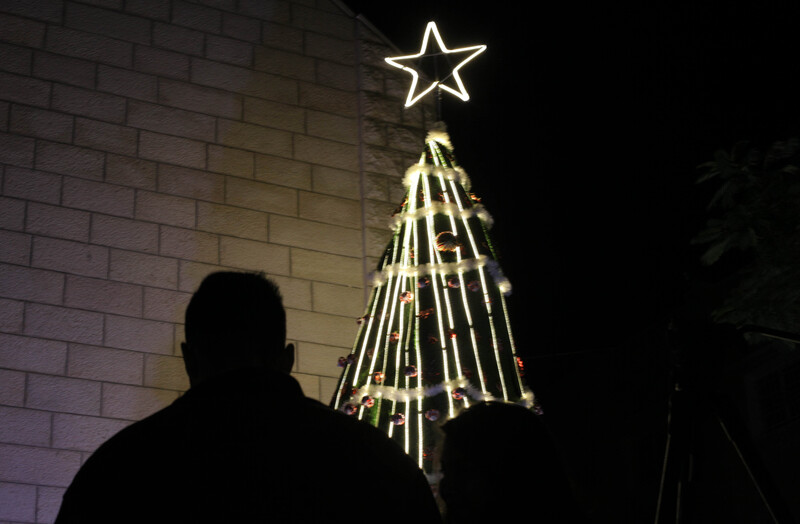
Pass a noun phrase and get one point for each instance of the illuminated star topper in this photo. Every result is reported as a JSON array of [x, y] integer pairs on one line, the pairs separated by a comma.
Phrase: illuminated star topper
[[469, 52]]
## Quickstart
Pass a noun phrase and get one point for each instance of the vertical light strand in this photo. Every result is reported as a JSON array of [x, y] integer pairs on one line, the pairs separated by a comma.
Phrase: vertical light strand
[[407, 379], [388, 261], [451, 323], [493, 330], [364, 341], [388, 339], [378, 335], [374, 299], [513, 345], [412, 208], [380, 332], [475, 254], [418, 350], [402, 339], [439, 161], [434, 255]]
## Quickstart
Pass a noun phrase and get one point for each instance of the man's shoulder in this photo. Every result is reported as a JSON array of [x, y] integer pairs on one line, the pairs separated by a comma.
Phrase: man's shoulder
[[140, 440], [334, 429]]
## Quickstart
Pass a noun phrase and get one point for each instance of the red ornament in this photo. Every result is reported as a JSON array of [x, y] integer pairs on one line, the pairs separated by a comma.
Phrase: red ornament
[[394, 337], [367, 401], [344, 361], [459, 393], [400, 207], [378, 377], [423, 282], [349, 409], [425, 313], [406, 297], [453, 283], [398, 419], [447, 241], [474, 285], [411, 371], [432, 414]]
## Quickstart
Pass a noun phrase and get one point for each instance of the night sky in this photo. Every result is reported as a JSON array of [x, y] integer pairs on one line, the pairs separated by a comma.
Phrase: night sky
[[584, 129]]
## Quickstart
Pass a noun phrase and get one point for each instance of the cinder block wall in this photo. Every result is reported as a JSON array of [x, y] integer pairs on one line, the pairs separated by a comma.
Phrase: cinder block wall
[[145, 143]]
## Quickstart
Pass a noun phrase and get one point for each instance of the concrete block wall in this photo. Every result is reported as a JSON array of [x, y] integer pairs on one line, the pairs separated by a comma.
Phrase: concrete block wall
[[145, 143]]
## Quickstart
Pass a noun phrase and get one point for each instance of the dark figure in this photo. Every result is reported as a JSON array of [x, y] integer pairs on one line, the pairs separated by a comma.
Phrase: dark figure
[[243, 444], [499, 464]]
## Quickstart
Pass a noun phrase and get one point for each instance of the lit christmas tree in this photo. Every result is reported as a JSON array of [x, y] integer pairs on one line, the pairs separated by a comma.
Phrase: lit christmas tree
[[436, 335]]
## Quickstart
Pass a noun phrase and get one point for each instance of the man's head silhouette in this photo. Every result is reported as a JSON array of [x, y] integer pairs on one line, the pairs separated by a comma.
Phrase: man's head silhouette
[[235, 320]]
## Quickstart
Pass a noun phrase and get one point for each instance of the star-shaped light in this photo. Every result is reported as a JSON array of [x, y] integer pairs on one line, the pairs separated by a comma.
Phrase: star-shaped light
[[461, 92]]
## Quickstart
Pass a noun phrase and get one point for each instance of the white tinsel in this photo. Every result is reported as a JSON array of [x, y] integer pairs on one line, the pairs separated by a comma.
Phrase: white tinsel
[[499, 278], [447, 268], [444, 208], [438, 133], [456, 173], [377, 391]]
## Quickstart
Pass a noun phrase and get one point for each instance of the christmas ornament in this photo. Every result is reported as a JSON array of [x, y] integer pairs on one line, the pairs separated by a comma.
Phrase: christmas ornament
[[453, 283], [410, 371], [459, 393], [406, 297], [349, 409], [367, 401], [344, 361], [398, 419], [423, 282], [474, 285], [521, 367], [432, 414], [378, 377], [446, 241]]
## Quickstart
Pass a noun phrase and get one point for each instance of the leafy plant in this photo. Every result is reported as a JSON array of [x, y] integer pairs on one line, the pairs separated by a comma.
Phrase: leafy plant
[[755, 213]]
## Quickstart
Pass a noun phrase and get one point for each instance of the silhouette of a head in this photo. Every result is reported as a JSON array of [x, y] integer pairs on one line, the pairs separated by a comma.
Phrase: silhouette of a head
[[499, 460], [235, 320]]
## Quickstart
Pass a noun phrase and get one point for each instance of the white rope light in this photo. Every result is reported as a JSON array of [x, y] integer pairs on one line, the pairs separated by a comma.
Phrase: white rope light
[[468, 54]]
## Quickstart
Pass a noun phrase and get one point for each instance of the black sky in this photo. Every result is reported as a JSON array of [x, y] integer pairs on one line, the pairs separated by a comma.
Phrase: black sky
[[582, 136]]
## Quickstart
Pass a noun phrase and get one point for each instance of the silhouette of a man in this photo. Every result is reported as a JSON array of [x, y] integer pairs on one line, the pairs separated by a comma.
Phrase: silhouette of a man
[[244, 444]]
